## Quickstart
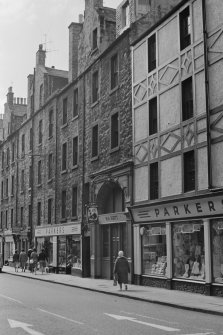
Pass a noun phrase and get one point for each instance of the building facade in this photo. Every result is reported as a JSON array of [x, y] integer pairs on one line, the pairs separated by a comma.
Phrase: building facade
[[177, 143]]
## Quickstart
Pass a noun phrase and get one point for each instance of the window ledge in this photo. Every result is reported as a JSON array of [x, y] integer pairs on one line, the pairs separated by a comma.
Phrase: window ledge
[[63, 172], [94, 158], [64, 125], [63, 220], [39, 185], [40, 144], [113, 90], [50, 137], [74, 218], [49, 180], [12, 195], [114, 150]]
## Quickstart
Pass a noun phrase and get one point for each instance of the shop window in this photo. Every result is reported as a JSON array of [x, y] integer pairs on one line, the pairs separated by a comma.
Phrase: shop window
[[217, 249], [94, 152], [64, 116], [188, 250], [115, 131], [75, 103], [64, 157], [154, 256], [189, 171], [187, 99], [185, 28], [61, 245], [40, 131], [154, 181], [152, 53], [95, 39], [153, 116], [64, 204], [73, 253], [95, 90], [114, 71], [51, 123], [75, 151]]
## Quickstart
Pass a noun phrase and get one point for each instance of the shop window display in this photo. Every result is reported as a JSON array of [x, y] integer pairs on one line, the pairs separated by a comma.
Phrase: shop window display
[[73, 252], [188, 250], [154, 260], [217, 249]]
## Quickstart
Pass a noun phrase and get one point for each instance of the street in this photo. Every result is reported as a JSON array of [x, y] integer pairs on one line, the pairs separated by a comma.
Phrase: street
[[40, 308]]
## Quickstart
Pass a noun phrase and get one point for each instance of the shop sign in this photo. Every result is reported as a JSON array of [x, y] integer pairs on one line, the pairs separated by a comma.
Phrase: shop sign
[[58, 230], [92, 214], [112, 218], [203, 207]]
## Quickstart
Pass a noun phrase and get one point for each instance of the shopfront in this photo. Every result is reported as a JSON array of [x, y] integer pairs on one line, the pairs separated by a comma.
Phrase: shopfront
[[179, 245], [62, 245]]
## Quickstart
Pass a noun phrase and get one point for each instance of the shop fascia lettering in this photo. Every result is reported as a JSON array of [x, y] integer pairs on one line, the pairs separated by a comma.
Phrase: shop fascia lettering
[[55, 231], [192, 208]]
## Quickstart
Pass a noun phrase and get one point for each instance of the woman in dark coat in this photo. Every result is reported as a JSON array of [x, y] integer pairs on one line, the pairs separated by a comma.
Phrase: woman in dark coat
[[121, 270]]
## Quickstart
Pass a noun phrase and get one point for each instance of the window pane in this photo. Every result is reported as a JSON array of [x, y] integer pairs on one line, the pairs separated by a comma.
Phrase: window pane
[[74, 201], [95, 141], [152, 53], [154, 181], [185, 28], [188, 250], [217, 249], [189, 171], [75, 151], [114, 71], [95, 87], [64, 111], [153, 116], [95, 38], [154, 250], [64, 200], [114, 131], [187, 99], [75, 103]]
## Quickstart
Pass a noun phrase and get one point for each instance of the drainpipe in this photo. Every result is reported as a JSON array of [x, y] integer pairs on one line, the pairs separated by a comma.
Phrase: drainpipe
[[83, 175], [207, 100]]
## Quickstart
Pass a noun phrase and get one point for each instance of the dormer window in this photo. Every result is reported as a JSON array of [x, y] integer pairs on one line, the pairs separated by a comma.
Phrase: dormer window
[[95, 39], [125, 15]]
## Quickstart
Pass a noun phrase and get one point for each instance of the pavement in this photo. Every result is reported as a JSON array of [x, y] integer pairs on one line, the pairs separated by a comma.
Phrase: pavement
[[178, 299]]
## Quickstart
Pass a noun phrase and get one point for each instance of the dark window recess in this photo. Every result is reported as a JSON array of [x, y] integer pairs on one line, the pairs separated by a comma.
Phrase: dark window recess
[[50, 211], [30, 139], [75, 151], [74, 201], [51, 123], [114, 131], [187, 99], [75, 103], [40, 131], [64, 157], [38, 213], [185, 28], [30, 216], [23, 143], [114, 71], [39, 175], [12, 218], [95, 39], [189, 171], [152, 53], [95, 141], [64, 204], [50, 166], [153, 116], [12, 185], [64, 111], [22, 216], [154, 181], [95, 87]]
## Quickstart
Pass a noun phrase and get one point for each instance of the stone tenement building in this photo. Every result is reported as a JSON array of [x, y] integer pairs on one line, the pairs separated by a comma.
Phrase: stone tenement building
[[178, 150], [72, 176]]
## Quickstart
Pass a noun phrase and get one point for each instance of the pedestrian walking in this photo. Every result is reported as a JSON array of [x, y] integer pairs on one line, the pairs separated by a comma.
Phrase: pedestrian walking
[[42, 260], [121, 270], [23, 259], [15, 259], [34, 259]]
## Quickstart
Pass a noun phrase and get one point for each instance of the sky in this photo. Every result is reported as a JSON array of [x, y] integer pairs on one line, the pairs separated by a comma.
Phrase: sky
[[24, 24]]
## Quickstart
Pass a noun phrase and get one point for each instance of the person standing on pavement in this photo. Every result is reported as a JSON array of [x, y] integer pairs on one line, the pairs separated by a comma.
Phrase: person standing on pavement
[[23, 259], [42, 260], [34, 258], [121, 270], [16, 260]]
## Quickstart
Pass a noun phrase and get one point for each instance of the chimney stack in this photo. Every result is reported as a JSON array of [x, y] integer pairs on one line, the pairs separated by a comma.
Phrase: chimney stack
[[40, 56], [10, 96], [74, 36]]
